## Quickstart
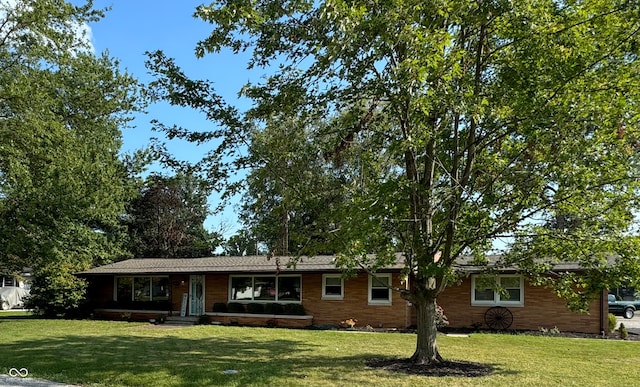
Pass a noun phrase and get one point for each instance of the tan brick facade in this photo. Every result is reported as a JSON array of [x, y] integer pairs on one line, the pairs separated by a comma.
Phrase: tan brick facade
[[541, 309], [353, 305]]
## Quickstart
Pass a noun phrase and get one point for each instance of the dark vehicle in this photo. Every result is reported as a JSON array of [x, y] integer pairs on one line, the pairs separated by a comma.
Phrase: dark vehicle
[[624, 308]]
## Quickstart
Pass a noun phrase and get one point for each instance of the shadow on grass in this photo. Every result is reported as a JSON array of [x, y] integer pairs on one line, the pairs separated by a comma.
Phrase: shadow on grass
[[172, 360], [133, 360], [19, 315]]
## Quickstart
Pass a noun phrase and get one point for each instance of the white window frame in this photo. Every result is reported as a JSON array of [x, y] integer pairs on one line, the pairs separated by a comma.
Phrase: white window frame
[[497, 301], [277, 290], [370, 288], [326, 296]]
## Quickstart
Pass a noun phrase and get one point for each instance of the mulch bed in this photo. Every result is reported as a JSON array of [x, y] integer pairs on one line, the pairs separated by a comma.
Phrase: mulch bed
[[444, 368]]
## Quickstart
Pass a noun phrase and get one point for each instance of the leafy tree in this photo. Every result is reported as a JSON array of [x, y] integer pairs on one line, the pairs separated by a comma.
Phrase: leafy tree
[[62, 185], [495, 118], [291, 196], [241, 244], [167, 219]]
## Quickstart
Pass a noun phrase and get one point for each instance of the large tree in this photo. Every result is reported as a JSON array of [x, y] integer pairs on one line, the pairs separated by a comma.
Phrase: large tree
[[509, 123], [62, 185], [290, 197], [167, 219]]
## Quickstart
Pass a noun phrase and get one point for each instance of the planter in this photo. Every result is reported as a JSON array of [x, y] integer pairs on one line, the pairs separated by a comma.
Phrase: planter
[[262, 320]]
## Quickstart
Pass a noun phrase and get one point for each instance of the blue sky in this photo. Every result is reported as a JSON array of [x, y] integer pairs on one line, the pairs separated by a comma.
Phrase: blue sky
[[133, 27]]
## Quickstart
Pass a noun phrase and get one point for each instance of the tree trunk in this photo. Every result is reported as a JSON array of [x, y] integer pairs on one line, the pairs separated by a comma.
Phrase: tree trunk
[[426, 344]]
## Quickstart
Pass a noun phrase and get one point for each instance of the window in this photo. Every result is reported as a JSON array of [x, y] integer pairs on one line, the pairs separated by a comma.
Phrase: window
[[505, 290], [265, 288], [142, 289], [379, 289], [332, 287], [241, 288]]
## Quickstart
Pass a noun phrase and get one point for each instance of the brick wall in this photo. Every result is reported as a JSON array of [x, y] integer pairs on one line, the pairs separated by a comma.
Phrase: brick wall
[[542, 309], [179, 286], [354, 305], [216, 289]]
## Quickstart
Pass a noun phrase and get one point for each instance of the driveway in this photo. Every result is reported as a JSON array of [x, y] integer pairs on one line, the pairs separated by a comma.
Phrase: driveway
[[9, 381], [632, 324]]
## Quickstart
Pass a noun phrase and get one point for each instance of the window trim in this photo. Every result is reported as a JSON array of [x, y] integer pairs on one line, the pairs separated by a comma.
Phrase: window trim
[[496, 295], [370, 289], [326, 296], [277, 290]]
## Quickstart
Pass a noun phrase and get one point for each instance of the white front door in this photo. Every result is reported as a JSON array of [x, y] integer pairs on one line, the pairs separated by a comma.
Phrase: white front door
[[196, 295]]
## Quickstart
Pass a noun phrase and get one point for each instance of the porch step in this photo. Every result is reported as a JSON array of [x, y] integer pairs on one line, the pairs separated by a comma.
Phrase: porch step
[[177, 320]]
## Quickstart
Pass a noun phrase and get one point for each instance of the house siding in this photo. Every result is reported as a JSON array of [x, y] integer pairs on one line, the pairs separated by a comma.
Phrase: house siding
[[355, 304], [330, 312], [542, 309]]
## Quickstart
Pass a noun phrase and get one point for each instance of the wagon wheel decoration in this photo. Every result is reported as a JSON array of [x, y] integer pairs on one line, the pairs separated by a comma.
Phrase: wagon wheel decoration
[[498, 318]]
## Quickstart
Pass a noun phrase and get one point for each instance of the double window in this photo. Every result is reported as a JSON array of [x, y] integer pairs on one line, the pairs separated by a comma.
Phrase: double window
[[138, 288], [505, 290], [265, 288]]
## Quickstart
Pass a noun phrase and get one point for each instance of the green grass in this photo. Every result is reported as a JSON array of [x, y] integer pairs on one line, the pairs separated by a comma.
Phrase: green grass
[[100, 353]]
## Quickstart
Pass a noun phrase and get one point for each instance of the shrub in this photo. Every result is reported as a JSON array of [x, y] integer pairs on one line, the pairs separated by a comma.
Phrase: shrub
[[55, 290], [612, 322], [294, 309], [273, 309], [624, 333], [550, 332], [204, 320], [235, 307], [255, 308], [441, 319], [219, 307]]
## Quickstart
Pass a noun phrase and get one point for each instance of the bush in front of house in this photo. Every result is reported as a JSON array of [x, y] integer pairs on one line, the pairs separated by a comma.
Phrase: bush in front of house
[[441, 320], [612, 322], [294, 309], [255, 308], [624, 333], [219, 307], [235, 307], [56, 291], [274, 308]]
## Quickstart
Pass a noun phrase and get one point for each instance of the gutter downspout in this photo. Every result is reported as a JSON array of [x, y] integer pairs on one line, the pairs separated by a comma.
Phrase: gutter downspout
[[604, 317]]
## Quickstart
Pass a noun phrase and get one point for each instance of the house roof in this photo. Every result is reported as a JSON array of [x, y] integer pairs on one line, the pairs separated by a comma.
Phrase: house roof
[[467, 264], [264, 264], [226, 264]]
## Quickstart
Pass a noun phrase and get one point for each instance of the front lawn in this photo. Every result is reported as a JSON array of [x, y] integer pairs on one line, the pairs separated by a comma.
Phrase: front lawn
[[101, 353]]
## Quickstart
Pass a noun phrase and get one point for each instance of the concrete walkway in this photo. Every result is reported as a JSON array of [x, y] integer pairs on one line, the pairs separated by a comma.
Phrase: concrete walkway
[[10, 381]]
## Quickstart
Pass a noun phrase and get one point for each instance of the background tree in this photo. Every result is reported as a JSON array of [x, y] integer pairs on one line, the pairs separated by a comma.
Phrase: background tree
[[62, 185], [242, 244], [167, 219], [495, 118], [291, 195]]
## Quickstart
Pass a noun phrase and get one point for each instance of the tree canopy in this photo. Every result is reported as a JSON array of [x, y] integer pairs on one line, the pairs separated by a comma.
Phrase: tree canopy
[[167, 219], [62, 185], [476, 124]]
